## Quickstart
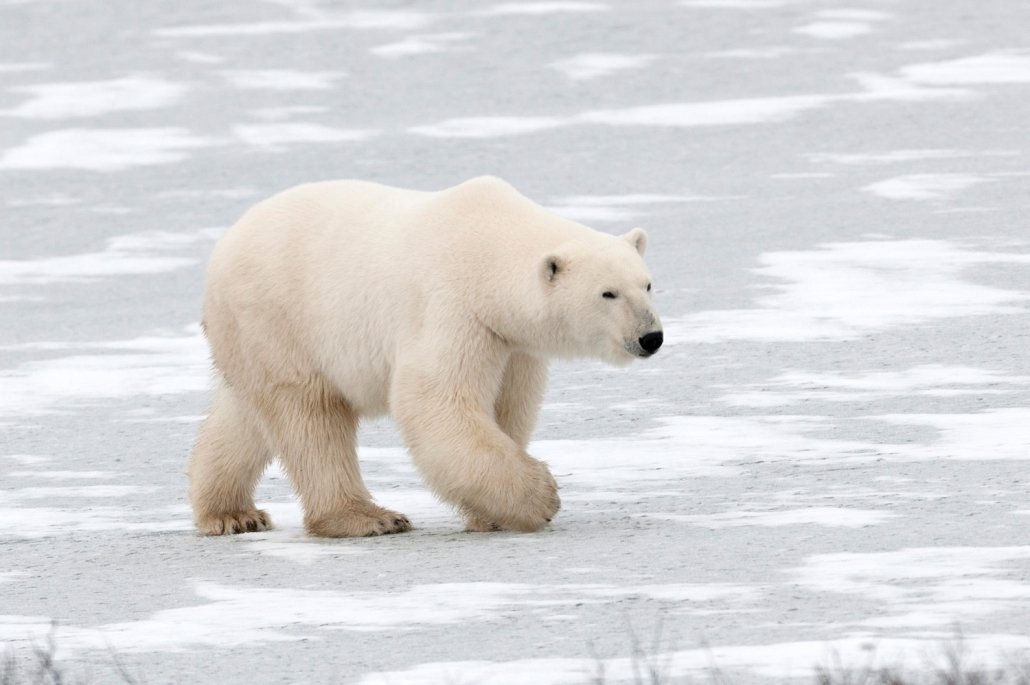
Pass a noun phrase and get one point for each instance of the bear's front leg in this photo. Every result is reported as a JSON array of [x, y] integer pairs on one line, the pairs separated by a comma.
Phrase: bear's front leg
[[445, 410], [516, 409]]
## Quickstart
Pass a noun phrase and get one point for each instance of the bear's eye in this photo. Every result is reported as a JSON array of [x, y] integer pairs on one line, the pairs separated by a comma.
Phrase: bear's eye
[[648, 287], [608, 295]]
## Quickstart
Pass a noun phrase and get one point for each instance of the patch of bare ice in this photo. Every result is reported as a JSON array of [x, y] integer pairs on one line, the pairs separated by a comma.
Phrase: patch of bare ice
[[277, 137], [356, 20], [829, 517], [281, 79]]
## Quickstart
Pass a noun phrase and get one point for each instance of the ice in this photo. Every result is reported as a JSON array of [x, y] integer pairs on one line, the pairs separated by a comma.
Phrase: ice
[[824, 465], [361, 20], [278, 137], [542, 8], [821, 516]]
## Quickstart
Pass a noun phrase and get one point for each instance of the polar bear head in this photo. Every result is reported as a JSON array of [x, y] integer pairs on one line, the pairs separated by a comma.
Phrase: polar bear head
[[598, 299]]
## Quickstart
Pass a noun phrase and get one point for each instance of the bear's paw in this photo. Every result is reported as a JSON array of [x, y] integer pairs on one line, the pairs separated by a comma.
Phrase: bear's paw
[[526, 503], [356, 520], [233, 522]]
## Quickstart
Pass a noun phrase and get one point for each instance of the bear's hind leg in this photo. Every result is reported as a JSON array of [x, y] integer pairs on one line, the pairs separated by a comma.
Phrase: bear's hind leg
[[228, 459], [316, 431]]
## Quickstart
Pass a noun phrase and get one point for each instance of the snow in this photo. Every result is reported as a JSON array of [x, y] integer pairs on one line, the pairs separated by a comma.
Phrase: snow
[[121, 368], [927, 380], [762, 110], [130, 254], [991, 68], [924, 186], [844, 290], [80, 492], [775, 661], [592, 65], [611, 208], [900, 156], [422, 45], [90, 99], [62, 475], [825, 463], [834, 30], [103, 150], [485, 127], [32, 522]]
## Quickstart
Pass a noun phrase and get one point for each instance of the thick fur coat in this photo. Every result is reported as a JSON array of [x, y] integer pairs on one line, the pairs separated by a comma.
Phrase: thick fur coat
[[340, 300]]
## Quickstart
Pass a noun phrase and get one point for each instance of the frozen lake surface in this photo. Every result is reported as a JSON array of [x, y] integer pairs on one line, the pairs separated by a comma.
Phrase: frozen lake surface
[[827, 462]]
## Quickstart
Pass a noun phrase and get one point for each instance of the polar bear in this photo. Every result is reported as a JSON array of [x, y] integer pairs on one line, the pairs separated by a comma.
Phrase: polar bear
[[339, 300]]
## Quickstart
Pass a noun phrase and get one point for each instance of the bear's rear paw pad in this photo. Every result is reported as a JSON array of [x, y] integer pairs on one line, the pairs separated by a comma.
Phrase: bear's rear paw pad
[[358, 519], [232, 522]]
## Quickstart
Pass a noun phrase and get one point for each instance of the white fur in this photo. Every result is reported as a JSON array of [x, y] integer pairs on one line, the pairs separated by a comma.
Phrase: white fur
[[340, 300]]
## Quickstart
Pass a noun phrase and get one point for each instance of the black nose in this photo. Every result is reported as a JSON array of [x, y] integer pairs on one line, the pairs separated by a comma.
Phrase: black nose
[[651, 342]]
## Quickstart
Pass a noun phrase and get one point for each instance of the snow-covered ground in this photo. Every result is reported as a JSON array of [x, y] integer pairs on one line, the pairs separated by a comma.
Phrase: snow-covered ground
[[826, 463]]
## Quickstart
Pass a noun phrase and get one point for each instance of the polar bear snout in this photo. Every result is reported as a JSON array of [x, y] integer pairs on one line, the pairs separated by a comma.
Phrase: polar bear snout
[[650, 342]]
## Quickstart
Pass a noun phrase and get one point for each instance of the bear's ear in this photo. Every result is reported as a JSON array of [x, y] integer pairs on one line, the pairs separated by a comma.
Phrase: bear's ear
[[551, 266], [637, 238]]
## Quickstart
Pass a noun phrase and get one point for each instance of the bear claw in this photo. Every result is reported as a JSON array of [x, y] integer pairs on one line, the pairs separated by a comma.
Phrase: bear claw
[[234, 522], [358, 519]]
